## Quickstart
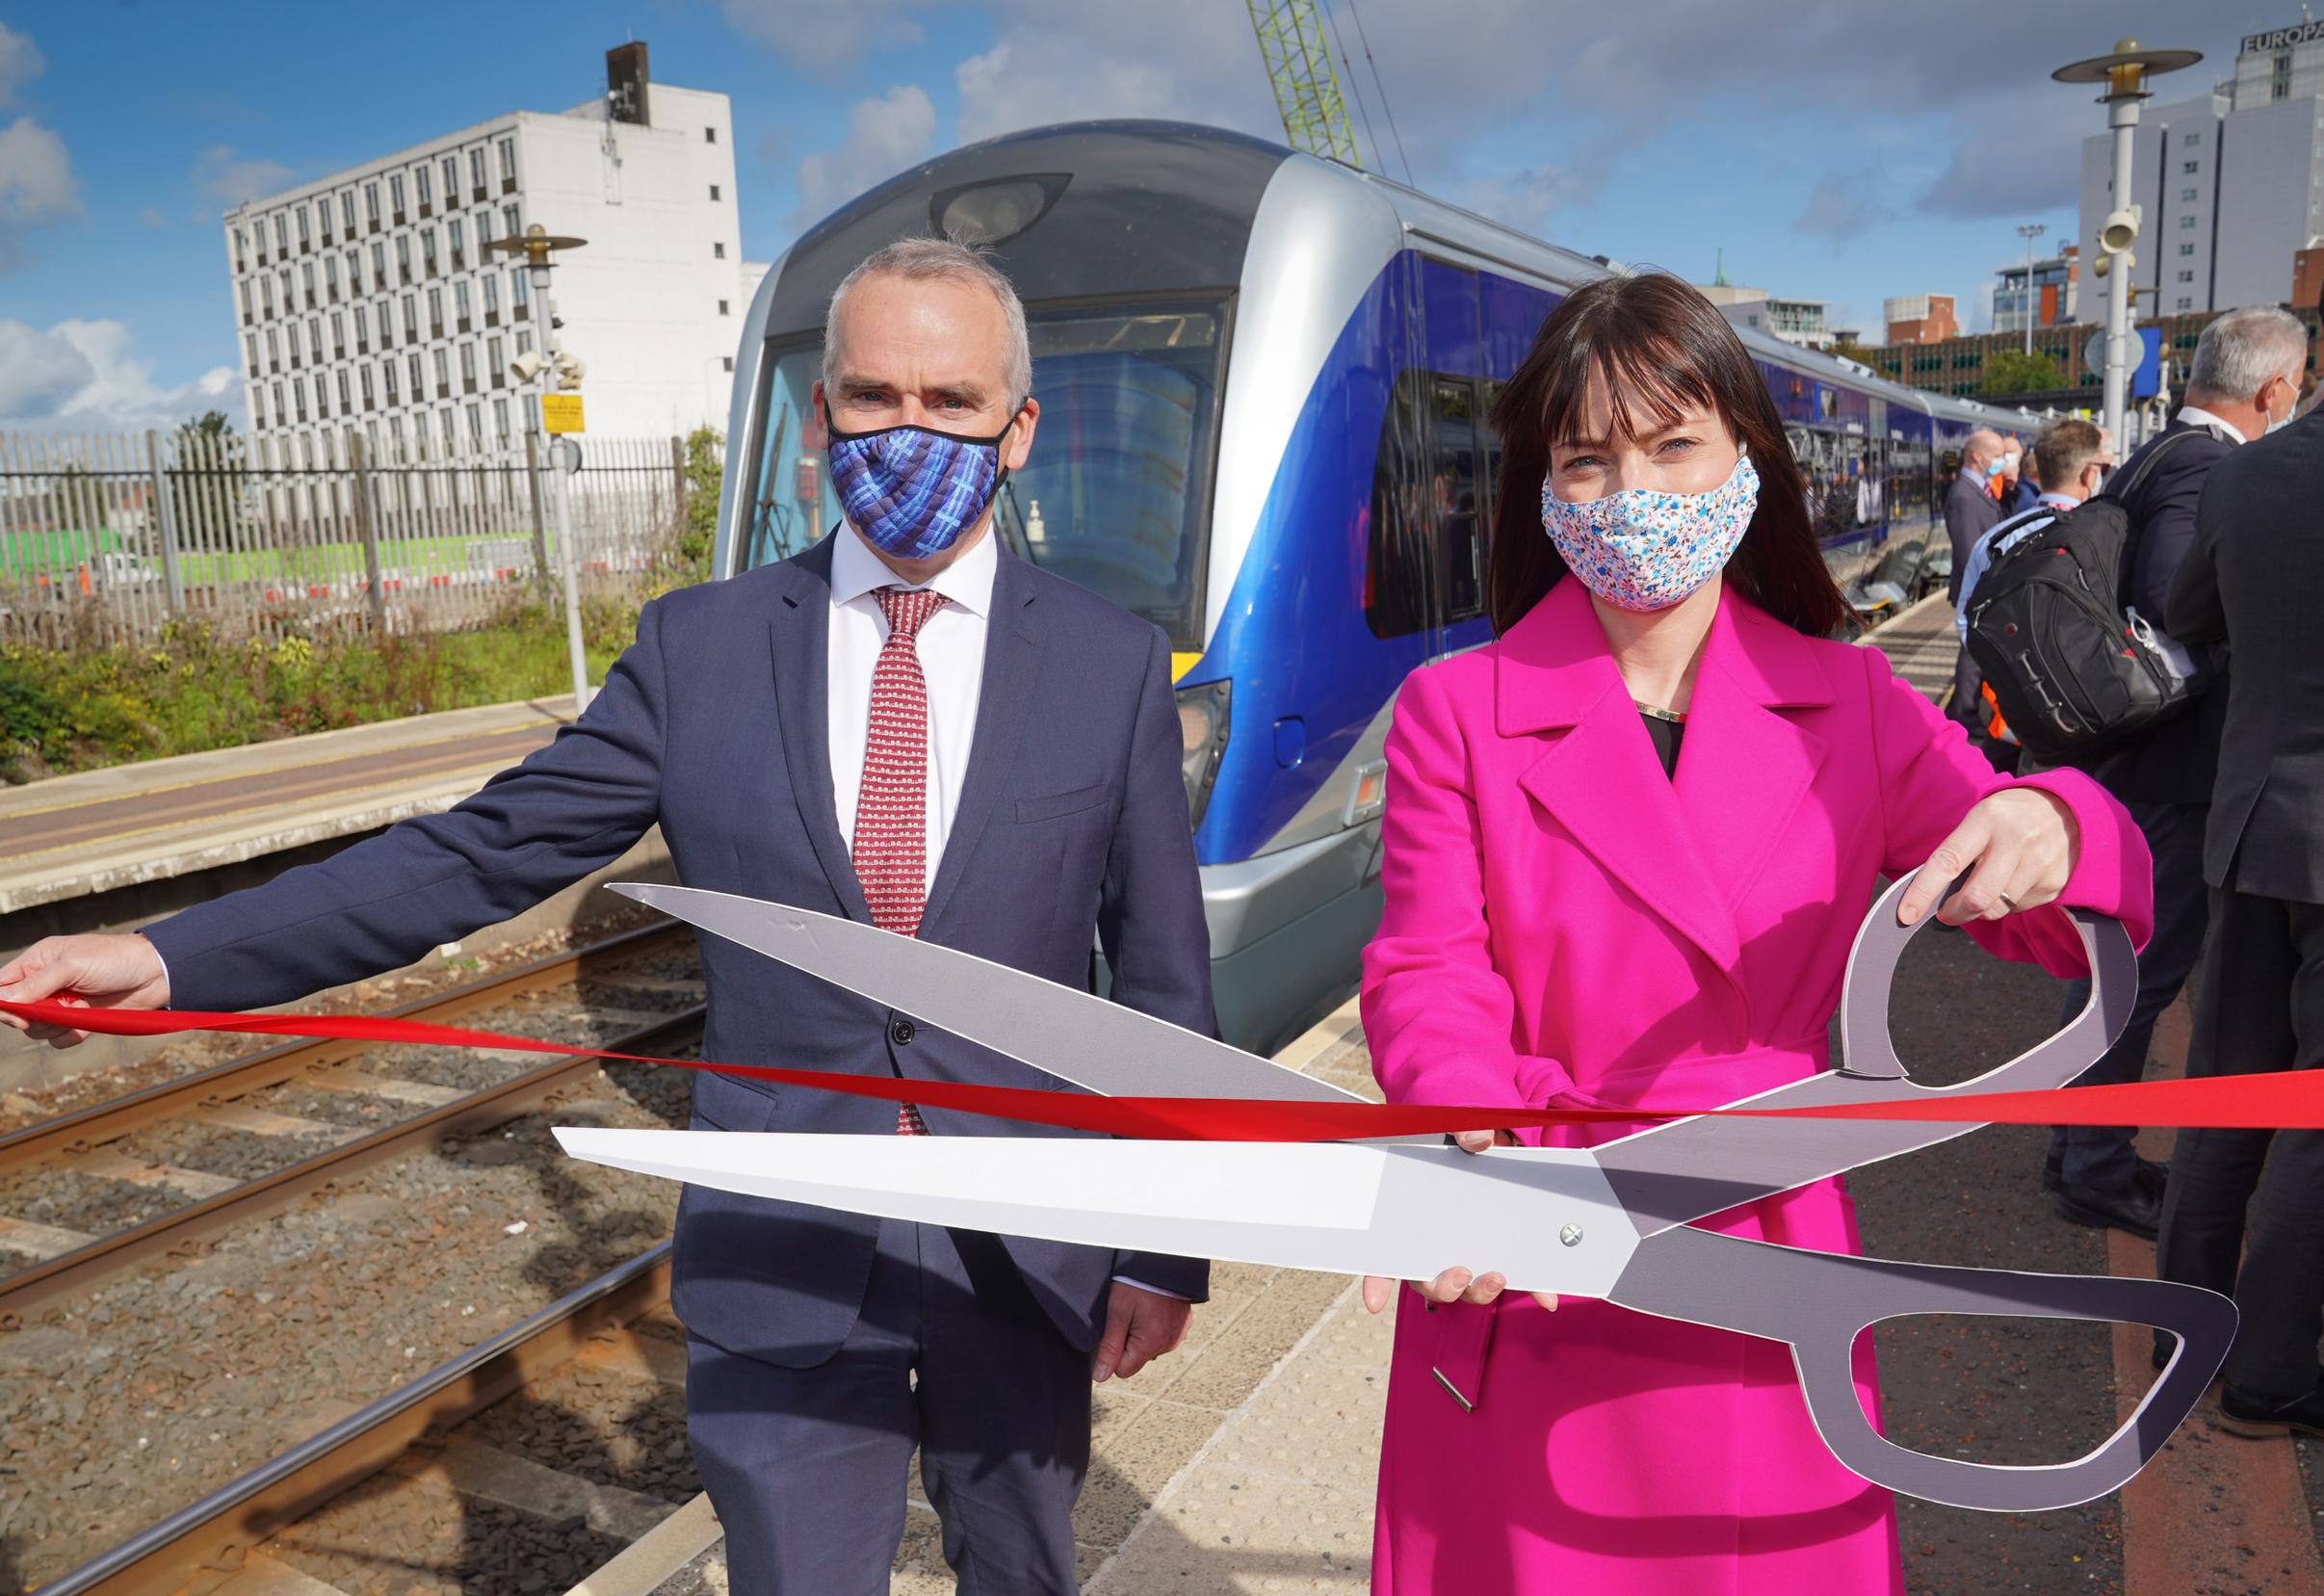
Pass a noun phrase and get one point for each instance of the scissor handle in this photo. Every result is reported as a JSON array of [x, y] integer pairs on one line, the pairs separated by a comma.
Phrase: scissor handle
[[1866, 1047], [1819, 1302]]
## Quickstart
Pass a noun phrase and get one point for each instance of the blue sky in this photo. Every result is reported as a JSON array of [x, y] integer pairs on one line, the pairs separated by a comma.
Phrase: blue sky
[[1836, 150]]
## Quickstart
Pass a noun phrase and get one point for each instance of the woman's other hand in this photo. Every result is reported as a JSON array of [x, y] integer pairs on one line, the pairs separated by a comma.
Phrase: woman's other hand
[[1457, 1284], [2018, 846]]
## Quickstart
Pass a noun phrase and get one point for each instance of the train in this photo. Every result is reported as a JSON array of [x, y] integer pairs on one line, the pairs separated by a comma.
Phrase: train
[[1263, 381]]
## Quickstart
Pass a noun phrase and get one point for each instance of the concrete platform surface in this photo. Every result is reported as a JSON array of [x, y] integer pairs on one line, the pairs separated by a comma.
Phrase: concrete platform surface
[[78, 835]]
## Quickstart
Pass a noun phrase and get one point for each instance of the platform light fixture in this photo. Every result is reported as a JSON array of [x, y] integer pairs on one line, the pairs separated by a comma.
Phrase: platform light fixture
[[2124, 72]]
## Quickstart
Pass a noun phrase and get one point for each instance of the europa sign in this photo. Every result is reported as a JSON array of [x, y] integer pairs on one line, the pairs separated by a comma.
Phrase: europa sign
[[2282, 38]]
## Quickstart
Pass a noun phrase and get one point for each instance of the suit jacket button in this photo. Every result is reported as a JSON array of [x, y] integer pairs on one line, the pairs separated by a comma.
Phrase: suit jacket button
[[901, 1033]]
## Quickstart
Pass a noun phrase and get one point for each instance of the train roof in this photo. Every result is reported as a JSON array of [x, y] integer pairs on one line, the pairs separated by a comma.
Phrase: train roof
[[1098, 177]]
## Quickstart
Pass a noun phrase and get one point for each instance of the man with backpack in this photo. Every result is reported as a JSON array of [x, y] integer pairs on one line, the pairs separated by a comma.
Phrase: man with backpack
[[2086, 675], [1969, 514]]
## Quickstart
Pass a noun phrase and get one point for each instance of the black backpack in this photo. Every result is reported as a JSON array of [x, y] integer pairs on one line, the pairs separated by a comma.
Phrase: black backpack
[[2073, 674]]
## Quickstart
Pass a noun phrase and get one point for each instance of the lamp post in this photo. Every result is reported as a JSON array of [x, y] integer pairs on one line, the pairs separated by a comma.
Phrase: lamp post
[[2029, 231], [545, 366], [2125, 73]]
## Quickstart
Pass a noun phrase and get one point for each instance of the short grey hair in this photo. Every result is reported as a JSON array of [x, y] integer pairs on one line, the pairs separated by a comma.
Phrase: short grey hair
[[945, 260], [2241, 351]]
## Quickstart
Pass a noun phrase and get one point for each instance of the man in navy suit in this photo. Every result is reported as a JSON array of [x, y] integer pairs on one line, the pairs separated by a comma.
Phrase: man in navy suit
[[906, 725]]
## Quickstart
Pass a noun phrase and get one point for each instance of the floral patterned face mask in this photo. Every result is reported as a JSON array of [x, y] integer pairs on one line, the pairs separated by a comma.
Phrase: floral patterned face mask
[[1639, 549]]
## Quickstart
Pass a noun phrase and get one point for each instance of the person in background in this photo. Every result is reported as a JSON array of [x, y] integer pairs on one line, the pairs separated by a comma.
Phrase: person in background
[[2244, 378], [2009, 475], [1622, 867], [2073, 452], [2027, 491], [1969, 514], [2255, 581]]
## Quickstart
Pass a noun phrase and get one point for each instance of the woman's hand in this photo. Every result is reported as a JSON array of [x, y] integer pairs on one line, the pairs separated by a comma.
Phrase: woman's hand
[[2019, 847], [1457, 1284]]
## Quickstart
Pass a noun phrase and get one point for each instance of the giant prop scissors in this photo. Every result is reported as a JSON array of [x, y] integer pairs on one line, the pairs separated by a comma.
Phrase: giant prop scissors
[[1610, 1222]]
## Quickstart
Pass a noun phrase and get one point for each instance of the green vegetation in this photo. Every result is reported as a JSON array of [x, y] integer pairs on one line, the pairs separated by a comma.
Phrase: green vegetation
[[79, 709], [2012, 370]]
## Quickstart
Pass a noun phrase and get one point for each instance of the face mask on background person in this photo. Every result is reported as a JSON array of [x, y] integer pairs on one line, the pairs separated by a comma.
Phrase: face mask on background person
[[2007, 463], [2276, 423], [913, 491], [1642, 549]]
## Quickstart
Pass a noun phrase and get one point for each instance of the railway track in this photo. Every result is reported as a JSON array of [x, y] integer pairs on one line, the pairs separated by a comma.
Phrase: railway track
[[414, 1451], [78, 1159]]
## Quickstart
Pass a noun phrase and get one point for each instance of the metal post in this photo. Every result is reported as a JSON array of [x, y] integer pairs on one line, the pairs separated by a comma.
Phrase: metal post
[[560, 512], [367, 527], [164, 521], [540, 519], [2121, 116]]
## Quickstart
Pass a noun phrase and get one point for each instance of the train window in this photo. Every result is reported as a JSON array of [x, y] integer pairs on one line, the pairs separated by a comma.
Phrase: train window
[[1456, 496], [1401, 550]]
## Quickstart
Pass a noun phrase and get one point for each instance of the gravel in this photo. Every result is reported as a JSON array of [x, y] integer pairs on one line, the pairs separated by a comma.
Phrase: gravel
[[357, 1110], [124, 1402], [392, 1537], [612, 992], [599, 1425], [219, 1149], [65, 1197]]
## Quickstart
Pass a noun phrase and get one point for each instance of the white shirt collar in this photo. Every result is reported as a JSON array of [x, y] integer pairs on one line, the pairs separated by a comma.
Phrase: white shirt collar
[[2194, 415], [967, 582], [2058, 501]]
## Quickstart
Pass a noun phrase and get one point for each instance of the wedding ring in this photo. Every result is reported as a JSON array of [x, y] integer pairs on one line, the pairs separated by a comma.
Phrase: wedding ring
[[2008, 902]]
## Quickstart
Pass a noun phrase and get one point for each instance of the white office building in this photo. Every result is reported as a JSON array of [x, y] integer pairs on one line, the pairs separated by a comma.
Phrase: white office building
[[2229, 183], [369, 299]]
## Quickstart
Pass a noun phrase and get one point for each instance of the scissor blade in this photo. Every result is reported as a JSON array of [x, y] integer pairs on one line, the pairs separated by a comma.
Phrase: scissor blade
[[1337, 1207], [1074, 1036]]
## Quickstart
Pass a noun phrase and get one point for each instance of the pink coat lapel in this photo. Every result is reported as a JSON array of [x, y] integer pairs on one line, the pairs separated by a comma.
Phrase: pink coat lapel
[[1688, 848]]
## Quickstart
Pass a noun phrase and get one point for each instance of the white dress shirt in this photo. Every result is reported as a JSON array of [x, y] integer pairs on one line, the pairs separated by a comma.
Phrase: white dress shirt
[[2195, 415], [952, 658]]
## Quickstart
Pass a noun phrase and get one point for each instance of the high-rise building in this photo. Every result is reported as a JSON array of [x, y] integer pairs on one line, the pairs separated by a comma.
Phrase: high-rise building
[[369, 301], [2048, 292], [2230, 184], [1919, 319]]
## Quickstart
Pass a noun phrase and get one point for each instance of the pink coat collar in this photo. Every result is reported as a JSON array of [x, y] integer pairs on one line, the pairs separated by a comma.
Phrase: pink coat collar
[[1688, 846]]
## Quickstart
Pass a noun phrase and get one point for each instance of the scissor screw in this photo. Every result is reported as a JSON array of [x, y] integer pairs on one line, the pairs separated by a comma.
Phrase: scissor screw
[[1571, 1235]]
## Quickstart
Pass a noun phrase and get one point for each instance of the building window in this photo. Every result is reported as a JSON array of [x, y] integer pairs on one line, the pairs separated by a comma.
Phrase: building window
[[492, 294], [452, 182], [411, 318], [368, 399], [238, 265], [322, 217], [338, 334], [713, 193], [387, 380], [710, 135], [2280, 84], [451, 436], [362, 331], [344, 405], [370, 203], [354, 273], [435, 312], [419, 381], [460, 242], [524, 342], [266, 295], [426, 182], [721, 308], [476, 166], [507, 160], [394, 195], [303, 241], [468, 364], [484, 230], [443, 370], [346, 211], [404, 255], [2185, 304], [330, 274], [495, 362], [428, 250], [727, 362], [717, 250], [499, 419], [519, 295], [509, 224], [459, 301], [379, 264], [307, 282], [282, 243], [2186, 249], [2192, 140], [2191, 168], [2188, 195], [2186, 277], [249, 342], [2187, 223]]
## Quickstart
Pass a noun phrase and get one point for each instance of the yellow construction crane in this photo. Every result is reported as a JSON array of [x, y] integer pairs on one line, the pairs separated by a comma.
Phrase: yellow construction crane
[[1307, 90]]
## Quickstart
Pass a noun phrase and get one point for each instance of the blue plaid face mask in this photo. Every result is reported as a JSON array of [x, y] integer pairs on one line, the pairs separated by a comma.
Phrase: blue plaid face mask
[[912, 490]]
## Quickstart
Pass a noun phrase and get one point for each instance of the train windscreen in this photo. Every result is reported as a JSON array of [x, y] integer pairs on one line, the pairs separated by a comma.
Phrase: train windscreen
[[1116, 495]]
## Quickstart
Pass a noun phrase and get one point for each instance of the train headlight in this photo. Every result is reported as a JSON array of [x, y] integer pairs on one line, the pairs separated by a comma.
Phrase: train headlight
[[1202, 739], [996, 210]]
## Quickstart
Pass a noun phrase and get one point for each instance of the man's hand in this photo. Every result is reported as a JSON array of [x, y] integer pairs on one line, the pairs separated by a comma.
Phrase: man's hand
[[103, 972], [1140, 1326]]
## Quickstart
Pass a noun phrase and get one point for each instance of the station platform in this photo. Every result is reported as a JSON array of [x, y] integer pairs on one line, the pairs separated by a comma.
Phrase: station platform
[[73, 836]]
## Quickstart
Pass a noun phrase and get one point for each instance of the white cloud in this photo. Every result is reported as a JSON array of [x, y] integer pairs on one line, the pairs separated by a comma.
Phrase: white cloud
[[1843, 204], [19, 61], [821, 34], [37, 185], [231, 178], [885, 134], [1057, 61], [83, 373], [39, 371]]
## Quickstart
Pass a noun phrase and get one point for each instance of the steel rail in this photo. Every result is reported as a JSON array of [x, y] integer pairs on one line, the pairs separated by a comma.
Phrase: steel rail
[[213, 1535]]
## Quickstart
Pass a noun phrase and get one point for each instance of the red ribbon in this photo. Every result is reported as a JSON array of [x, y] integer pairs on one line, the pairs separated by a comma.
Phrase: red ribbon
[[2293, 1100]]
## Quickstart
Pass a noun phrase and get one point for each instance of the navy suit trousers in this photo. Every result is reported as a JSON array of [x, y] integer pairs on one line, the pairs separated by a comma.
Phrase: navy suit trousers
[[809, 1467]]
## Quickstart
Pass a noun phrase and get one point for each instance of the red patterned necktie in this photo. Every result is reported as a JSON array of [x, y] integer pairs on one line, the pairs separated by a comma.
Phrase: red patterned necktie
[[891, 809]]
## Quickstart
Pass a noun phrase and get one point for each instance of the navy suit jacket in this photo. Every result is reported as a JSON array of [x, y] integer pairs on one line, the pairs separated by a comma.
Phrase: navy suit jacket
[[1071, 829]]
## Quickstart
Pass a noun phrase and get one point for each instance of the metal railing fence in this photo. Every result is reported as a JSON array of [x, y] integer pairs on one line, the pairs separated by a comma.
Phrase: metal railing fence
[[106, 538]]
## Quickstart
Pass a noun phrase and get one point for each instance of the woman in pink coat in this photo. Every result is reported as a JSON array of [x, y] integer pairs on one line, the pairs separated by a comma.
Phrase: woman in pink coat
[[1626, 848]]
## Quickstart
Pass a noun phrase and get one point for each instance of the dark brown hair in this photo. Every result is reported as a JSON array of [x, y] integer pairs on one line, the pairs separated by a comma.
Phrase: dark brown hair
[[1659, 347], [2064, 450]]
